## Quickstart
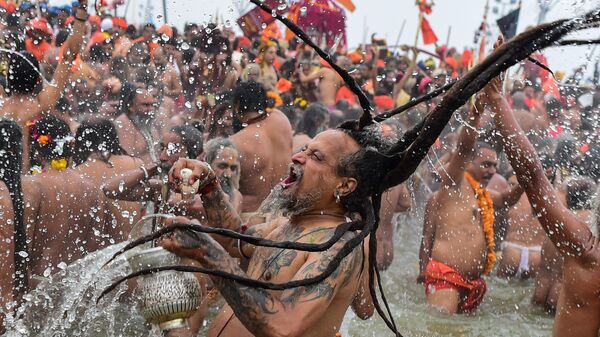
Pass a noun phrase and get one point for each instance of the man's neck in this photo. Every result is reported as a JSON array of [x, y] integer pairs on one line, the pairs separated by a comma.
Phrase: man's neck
[[318, 217]]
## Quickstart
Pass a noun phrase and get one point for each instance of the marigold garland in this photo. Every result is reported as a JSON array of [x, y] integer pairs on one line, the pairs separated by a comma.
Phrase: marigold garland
[[59, 164], [486, 208]]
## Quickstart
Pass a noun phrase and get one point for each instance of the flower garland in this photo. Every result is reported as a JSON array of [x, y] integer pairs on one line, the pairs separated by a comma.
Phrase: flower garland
[[486, 208], [59, 164]]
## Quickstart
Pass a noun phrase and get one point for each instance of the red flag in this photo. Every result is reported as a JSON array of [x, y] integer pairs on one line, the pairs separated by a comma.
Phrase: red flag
[[429, 36]]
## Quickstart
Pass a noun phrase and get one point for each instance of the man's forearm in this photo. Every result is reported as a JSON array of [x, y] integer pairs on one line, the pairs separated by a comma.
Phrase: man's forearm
[[221, 214], [251, 306], [568, 234], [129, 187]]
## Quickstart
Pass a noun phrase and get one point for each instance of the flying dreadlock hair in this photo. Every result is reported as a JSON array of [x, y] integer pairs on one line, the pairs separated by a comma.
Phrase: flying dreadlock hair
[[382, 166], [11, 147]]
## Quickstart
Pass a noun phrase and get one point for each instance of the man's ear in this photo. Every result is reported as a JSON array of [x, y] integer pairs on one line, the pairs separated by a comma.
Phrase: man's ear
[[346, 186]]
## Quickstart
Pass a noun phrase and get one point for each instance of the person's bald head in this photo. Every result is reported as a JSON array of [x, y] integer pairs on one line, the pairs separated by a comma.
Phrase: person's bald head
[[159, 57]]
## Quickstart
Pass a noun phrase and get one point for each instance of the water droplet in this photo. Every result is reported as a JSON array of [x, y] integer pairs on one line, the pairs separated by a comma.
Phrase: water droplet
[[281, 7], [23, 254], [185, 46], [62, 265], [47, 272], [303, 9]]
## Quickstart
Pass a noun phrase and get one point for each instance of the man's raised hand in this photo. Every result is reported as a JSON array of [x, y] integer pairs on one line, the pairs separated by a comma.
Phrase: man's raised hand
[[200, 171]]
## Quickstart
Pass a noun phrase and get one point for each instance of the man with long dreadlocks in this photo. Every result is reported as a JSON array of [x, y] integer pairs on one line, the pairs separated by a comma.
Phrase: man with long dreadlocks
[[458, 236], [323, 189]]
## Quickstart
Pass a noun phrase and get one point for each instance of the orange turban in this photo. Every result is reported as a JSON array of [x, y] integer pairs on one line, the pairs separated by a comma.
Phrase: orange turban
[[166, 30]]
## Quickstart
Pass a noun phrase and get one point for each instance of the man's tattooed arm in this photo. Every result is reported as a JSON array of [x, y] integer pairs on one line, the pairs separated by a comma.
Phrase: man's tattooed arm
[[221, 214], [296, 310]]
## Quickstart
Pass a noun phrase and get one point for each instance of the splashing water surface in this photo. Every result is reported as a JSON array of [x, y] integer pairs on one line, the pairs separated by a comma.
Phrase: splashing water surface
[[505, 311], [64, 305]]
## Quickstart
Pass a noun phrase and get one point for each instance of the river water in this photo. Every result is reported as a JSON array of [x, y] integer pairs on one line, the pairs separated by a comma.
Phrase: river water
[[65, 306], [505, 311]]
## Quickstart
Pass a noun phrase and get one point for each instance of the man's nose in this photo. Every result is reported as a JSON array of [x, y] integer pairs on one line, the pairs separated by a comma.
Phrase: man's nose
[[228, 172], [299, 158]]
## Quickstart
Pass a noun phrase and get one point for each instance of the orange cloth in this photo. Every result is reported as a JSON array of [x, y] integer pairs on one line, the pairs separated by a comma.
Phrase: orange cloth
[[284, 85], [451, 61], [41, 24], [441, 276], [95, 19], [151, 45], [165, 29], [344, 93], [37, 50], [347, 4], [99, 37], [355, 57], [69, 20], [384, 102], [119, 22]]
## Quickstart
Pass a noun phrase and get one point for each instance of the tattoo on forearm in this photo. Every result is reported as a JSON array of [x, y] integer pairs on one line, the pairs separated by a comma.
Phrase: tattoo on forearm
[[219, 212]]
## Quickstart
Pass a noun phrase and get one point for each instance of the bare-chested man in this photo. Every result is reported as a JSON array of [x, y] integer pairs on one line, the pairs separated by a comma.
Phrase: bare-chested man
[[579, 199], [264, 142], [24, 104], [329, 81], [99, 157], [578, 310], [136, 126], [64, 212], [457, 246], [315, 198], [522, 247], [167, 74]]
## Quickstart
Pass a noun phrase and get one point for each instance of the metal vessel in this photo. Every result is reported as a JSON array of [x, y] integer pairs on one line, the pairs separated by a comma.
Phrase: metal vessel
[[166, 298]]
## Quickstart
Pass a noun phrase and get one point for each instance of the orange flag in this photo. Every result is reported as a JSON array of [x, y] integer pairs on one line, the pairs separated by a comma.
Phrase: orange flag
[[429, 36], [347, 4]]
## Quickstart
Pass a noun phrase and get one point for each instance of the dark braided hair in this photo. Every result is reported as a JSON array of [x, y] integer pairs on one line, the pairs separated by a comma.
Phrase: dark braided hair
[[96, 137], [11, 152], [50, 138]]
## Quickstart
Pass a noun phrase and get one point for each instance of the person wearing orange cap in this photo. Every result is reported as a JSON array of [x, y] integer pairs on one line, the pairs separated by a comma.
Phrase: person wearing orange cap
[[165, 30], [39, 34], [25, 101], [121, 42]]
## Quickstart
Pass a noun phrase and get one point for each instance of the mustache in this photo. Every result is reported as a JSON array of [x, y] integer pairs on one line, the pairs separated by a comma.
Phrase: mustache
[[297, 170]]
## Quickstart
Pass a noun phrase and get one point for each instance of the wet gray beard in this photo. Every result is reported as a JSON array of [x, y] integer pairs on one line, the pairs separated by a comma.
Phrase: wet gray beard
[[289, 206], [227, 186]]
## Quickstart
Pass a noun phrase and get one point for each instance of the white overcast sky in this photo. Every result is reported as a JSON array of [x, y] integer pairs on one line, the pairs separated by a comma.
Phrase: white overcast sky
[[385, 17]]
